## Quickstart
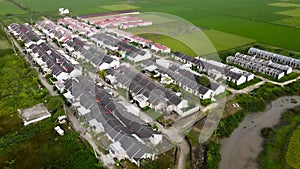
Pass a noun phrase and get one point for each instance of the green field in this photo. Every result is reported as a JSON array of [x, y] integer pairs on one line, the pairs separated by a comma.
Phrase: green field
[[119, 7], [4, 44], [7, 8], [255, 20], [174, 44], [224, 41], [293, 153]]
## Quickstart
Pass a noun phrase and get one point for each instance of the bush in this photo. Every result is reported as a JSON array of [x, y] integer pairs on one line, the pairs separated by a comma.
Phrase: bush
[[229, 123], [251, 103], [267, 132], [205, 102], [212, 156]]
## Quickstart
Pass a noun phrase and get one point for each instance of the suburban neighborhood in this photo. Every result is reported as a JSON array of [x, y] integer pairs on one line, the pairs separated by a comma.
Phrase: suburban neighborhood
[[133, 100]]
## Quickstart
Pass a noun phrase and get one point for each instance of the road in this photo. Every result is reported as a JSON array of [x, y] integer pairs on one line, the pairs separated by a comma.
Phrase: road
[[41, 77], [107, 160]]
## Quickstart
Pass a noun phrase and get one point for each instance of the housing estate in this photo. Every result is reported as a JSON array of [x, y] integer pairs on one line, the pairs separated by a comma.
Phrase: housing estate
[[130, 138], [76, 26], [215, 69], [118, 21], [256, 64], [158, 97], [275, 57], [51, 60], [90, 53], [184, 78], [126, 50], [53, 31], [145, 43]]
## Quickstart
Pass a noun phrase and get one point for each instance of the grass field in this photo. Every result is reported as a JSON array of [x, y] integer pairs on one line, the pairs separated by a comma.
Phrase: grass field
[[293, 153], [7, 8], [4, 44], [290, 21], [119, 7], [292, 12], [253, 20], [224, 41], [174, 44], [36, 145]]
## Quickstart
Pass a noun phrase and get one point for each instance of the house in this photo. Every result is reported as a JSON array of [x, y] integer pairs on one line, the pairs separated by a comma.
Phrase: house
[[63, 11], [141, 100], [34, 114], [160, 48]]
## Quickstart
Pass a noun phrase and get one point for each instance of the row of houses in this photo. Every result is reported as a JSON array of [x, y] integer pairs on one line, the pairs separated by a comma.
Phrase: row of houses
[[142, 41], [53, 31], [256, 64], [172, 72], [118, 21], [126, 50], [215, 69], [129, 136], [50, 59], [76, 26], [145, 91], [275, 57], [81, 49]]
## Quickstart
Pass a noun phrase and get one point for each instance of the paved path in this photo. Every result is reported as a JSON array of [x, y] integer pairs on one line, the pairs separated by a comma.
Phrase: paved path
[[183, 155]]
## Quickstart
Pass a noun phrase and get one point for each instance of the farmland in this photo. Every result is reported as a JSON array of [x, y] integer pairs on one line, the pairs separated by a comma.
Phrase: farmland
[[292, 155], [8, 8], [274, 23], [174, 44]]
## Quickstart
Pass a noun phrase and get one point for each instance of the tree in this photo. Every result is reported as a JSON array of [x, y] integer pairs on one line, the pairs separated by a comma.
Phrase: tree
[[102, 74], [204, 81]]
